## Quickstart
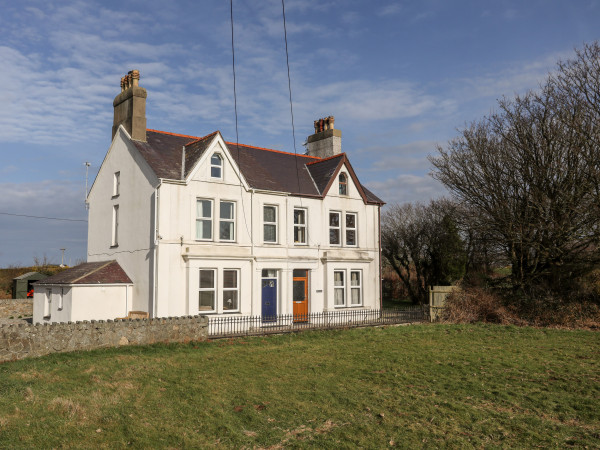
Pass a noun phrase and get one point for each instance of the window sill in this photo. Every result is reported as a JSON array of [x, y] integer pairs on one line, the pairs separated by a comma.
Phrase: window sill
[[114, 246], [115, 196]]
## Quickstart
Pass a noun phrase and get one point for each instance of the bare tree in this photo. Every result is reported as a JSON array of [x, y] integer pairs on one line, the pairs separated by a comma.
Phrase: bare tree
[[423, 246], [530, 172]]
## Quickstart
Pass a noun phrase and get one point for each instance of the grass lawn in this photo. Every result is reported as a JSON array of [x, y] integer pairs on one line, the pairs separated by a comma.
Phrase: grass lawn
[[423, 385]]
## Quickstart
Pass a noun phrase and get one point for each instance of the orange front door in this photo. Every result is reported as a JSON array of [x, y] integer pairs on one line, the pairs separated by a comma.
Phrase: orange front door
[[300, 295]]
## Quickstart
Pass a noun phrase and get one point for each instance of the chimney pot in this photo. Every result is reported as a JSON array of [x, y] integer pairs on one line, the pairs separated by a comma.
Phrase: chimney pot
[[135, 75]]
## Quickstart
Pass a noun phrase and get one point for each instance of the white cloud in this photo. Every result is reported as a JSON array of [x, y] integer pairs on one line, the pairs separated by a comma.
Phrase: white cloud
[[389, 10], [407, 188], [406, 157]]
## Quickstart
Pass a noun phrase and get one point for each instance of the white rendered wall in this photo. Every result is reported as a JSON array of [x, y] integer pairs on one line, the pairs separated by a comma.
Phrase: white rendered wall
[[100, 302], [181, 255], [134, 251], [83, 302], [57, 314]]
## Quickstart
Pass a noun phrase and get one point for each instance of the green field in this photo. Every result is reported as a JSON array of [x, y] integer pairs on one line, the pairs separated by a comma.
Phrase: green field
[[406, 386]]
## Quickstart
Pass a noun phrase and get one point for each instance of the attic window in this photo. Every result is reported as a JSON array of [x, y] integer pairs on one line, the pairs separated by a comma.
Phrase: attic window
[[343, 179], [216, 166]]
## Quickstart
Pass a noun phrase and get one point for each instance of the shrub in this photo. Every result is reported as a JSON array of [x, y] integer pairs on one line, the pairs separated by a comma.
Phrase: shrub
[[475, 304]]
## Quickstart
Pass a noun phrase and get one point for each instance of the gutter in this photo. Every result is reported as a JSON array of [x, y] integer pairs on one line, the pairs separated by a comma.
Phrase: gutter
[[156, 240], [380, 272]]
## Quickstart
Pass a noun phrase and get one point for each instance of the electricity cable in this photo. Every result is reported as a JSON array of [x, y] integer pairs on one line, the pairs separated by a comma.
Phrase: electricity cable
[[237, 137], [43, 217]]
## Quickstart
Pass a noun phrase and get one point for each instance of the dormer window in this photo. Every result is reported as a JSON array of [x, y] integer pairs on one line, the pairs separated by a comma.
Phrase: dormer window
[[216, 166], [343, 179]]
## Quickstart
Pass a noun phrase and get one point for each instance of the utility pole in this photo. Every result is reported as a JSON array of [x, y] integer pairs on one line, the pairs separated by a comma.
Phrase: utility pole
[[62, 258]]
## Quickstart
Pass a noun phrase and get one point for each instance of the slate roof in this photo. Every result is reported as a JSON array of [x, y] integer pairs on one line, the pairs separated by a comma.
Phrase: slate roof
[[101, 272], [262, 168], [30, 275]]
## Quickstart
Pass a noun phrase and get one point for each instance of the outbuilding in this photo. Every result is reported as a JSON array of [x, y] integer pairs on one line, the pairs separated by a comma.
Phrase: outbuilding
[[90, 291], [23, 284]]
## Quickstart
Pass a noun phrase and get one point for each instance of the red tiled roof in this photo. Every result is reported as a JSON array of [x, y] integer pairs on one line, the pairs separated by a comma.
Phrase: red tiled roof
[[101, 272]]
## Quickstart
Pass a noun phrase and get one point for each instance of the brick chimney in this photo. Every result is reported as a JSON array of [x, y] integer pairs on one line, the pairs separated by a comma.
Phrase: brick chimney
[[130, 107], [327, 141]]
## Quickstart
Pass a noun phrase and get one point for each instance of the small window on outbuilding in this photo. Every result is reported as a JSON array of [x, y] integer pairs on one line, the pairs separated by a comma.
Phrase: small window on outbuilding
[[216, 166], [343, 179]]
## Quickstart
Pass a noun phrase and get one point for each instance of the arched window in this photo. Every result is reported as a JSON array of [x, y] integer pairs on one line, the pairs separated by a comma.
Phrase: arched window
[[343, 179], [216, 166]]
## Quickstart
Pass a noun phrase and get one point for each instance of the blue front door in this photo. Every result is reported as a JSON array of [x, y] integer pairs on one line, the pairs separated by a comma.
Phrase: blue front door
[[269, 300]]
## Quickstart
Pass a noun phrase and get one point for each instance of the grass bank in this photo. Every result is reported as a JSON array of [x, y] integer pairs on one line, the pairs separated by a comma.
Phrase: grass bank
[[424, 385]]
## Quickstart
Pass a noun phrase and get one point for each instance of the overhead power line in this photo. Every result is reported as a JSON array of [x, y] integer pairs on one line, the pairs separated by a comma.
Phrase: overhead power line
[[42, 217]]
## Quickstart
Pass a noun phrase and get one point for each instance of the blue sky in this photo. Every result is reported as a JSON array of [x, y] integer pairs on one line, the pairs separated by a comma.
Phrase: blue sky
[[400, 78]]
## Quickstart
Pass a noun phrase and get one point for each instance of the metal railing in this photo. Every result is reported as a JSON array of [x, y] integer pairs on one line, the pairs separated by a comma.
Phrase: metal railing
[[232, 326]]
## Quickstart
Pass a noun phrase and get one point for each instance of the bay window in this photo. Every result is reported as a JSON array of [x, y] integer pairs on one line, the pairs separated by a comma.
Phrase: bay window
[[231, 290], [207, 290], [339, 288]]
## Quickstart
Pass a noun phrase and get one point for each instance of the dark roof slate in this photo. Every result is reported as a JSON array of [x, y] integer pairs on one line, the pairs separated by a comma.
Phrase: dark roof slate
[[371, 198], [262, 168], [273, 170], [100, 272], [323, 170]]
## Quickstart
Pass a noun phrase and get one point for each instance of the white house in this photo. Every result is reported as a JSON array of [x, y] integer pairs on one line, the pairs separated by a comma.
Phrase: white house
[[204, 226]]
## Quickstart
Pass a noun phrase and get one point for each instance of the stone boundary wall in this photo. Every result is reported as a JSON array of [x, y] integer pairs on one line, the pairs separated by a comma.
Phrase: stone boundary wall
[[16, 307], [26, 340]]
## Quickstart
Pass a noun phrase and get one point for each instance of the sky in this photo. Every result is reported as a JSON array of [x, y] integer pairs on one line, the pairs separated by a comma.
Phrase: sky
[[400, 78]]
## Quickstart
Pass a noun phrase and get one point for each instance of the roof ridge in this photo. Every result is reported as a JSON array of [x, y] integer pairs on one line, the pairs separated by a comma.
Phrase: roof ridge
[[202, 138], [272, 150], [173, 134], [327, 159], [93, 271]]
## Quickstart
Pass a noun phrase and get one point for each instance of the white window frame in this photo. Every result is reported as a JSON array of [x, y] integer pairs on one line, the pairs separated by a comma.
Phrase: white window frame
[[235, 289], [356, 288], [275, 224], [338, 228], [204, 219], [48, 303], [216, 166], [231, 221], [344, 184], [212, 289], [115, 227], [301, 226], [61, 296], [116, 184], [341, 287], [346, 228]]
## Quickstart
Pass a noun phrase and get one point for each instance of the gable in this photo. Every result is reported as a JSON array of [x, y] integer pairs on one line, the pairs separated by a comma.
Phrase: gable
[[122, 156], [203, 151]]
